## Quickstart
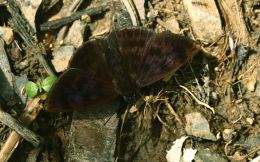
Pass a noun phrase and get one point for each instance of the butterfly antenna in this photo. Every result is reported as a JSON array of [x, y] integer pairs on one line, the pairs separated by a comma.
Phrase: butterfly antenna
[[107, 120], [122, 105]]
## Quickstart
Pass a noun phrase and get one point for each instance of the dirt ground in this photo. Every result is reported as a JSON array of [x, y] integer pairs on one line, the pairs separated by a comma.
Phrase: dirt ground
[[213, 100]]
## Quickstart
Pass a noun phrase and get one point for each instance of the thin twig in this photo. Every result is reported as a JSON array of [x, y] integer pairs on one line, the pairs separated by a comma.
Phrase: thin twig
[[226, 148], [131, 11], [198, 101], [250, 69], [163, 123], [69, 19], [167, 103], [257, 149], [234, 122]]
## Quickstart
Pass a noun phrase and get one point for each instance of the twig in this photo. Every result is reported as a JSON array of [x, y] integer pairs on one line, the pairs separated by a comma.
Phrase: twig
[[257, 149], [167, 103], [198, 101], [250, 69], [10, 146], [234, 122], [131, 11], [226, 147], [66, 20], [196, 79], [163, 123]]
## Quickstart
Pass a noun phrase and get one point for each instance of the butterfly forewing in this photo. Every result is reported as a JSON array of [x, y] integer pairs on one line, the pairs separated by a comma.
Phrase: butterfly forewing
[[127, 47], [164, 54], [75, 90]]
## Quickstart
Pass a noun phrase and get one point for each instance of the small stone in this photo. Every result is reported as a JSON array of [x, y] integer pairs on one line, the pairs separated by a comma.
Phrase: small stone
[[257, 159], [218, 135], [206, 155], [198, 126], [7, 34], [228, 134], [250, 120], [151, 15], [76, 34], [214, 95], [173, 25], [217, 69], [62, 57], [86, 18], [251, 83]]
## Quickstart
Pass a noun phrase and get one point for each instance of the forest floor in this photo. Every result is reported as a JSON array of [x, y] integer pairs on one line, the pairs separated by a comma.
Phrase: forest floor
[[208, 110]]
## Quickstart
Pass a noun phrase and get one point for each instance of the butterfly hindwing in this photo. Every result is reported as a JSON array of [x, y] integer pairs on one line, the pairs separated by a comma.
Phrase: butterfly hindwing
[[75, 90], [91, 58], [164, 54]]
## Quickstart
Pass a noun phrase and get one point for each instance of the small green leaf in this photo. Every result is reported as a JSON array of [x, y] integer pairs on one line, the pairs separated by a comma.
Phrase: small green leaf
[[31, 89], [48, 83]]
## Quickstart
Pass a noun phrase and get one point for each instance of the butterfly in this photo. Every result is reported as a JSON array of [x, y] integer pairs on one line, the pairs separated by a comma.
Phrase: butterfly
[[128, 59]]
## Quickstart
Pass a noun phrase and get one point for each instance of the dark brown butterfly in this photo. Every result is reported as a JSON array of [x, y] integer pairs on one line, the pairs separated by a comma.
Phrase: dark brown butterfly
[[128, 59]]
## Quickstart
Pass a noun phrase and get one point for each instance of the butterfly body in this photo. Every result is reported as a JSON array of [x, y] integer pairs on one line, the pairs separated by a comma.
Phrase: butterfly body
[[128, 59]]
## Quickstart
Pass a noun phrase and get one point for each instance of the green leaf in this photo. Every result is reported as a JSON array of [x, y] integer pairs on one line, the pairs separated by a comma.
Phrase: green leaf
[[31, 89], [48, 83]]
